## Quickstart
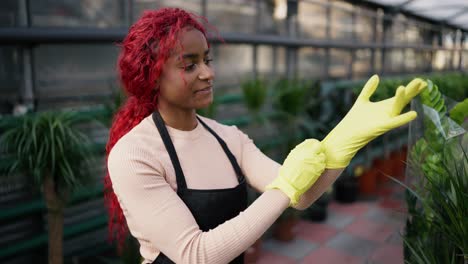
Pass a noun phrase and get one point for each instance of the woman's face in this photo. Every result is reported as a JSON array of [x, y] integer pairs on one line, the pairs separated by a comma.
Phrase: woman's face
[[187, 77]]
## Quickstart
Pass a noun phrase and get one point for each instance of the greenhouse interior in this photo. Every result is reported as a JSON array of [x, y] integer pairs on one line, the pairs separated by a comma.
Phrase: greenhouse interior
[[286, 71]]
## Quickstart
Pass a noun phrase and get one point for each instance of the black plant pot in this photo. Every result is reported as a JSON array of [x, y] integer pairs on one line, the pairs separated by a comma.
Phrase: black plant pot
[[316, 213], [346, 190]]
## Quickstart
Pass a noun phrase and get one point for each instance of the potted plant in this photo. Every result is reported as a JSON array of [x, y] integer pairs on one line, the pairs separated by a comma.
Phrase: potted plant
[[255, 93], [50, 149], [318, 211], [292, 101], [367, 182], [283, 229], [436, 229], [347, 187], [398, 160]]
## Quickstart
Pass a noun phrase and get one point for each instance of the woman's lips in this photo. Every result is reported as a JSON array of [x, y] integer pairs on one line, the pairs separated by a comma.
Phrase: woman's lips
[[205, 90]]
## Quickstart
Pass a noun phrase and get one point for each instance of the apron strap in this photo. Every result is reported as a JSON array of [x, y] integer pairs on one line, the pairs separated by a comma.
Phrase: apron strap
[[232, 159], [181, 184]]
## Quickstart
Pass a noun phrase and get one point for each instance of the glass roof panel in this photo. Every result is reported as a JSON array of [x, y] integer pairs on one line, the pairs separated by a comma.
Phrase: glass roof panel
[[455, 12]]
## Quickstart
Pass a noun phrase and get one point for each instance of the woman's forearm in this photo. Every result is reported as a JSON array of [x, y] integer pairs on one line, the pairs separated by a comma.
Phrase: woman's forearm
[[324, 182]]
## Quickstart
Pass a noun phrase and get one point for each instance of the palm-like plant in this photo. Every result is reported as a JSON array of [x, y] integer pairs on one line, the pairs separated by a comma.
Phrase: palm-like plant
[[49, 148]]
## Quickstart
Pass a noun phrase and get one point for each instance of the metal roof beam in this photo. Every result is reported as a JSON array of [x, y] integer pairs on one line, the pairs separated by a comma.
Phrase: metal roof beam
[[404, 4], [457, 14], [431, 8]]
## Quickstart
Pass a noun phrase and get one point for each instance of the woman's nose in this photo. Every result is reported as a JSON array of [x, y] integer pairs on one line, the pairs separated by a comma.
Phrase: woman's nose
[[207, 73]]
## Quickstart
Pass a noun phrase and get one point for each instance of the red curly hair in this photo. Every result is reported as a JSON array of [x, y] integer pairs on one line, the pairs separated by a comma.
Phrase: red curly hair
[[143, 54]]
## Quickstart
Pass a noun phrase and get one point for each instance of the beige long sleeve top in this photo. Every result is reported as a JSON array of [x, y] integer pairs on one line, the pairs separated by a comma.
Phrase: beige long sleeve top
[[144, 181]]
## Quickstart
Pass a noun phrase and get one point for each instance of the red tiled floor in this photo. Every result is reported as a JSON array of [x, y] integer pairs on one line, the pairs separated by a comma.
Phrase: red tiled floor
[[367, 227], [355, 209], [314, 232], [385, 191], [392, 204], [328, 255], [370, 230], [267, 257], [388, 254]]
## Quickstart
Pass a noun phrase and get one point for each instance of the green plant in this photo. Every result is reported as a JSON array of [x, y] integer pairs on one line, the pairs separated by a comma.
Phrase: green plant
[[49, 148], [255, 94], [292, 100], [436, 228], [460, 112], [455, 85]]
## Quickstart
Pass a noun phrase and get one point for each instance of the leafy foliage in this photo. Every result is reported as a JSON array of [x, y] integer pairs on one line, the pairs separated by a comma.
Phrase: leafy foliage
[[255, 94], [460, 112], [48, 143], [437, 229]]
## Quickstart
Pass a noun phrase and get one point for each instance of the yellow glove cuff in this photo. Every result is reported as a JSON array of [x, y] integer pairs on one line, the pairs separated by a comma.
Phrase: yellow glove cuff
[[301, 169], [281, 184]]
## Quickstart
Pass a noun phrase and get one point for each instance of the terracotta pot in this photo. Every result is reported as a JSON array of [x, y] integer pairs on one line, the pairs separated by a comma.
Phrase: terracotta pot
[[384, 168], [396, 164], [368, 182], [403, 160], [284, 230], [253, 252], [399, 164]]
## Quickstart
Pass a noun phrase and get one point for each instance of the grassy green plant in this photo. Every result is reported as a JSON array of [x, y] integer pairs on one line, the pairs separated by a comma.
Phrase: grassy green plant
[[293, 100], [49, 148], [436, 228], [255, 94]]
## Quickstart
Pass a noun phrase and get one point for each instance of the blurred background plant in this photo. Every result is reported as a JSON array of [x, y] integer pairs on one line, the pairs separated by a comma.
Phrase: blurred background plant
[[294, 100], [255, 93], [50, 149]]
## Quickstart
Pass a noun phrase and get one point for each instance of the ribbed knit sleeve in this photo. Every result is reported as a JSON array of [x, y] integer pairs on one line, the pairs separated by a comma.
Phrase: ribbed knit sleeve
[[156, 215]]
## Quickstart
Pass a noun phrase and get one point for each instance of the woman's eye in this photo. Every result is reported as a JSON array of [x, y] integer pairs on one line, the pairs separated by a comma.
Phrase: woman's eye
[[208, 61], [189, 67]]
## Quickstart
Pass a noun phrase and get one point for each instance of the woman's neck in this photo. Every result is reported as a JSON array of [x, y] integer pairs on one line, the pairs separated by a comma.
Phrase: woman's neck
[[180, 119]]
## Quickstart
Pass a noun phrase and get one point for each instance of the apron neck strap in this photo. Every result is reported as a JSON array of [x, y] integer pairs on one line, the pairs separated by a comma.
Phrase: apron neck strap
[[181, 184]]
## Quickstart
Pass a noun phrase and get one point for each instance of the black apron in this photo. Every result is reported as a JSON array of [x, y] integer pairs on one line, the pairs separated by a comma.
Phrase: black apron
[[210, 208]]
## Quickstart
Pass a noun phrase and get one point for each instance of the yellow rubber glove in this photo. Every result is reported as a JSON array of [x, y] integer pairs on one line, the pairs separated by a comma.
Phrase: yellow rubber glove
[[367, 120], [300, 170]]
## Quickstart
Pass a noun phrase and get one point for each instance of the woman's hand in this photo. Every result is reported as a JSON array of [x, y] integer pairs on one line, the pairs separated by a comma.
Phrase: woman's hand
[[367, 120], [301, 169]]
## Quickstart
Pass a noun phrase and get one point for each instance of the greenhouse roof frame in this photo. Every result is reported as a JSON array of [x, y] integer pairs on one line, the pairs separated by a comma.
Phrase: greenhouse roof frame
[[449, 12]]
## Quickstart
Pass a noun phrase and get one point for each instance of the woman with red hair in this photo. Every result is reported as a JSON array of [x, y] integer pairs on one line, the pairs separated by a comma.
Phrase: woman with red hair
[[177, 180]]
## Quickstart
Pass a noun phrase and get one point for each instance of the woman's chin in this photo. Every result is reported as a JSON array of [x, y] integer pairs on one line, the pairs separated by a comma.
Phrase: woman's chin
[[205, 103]]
